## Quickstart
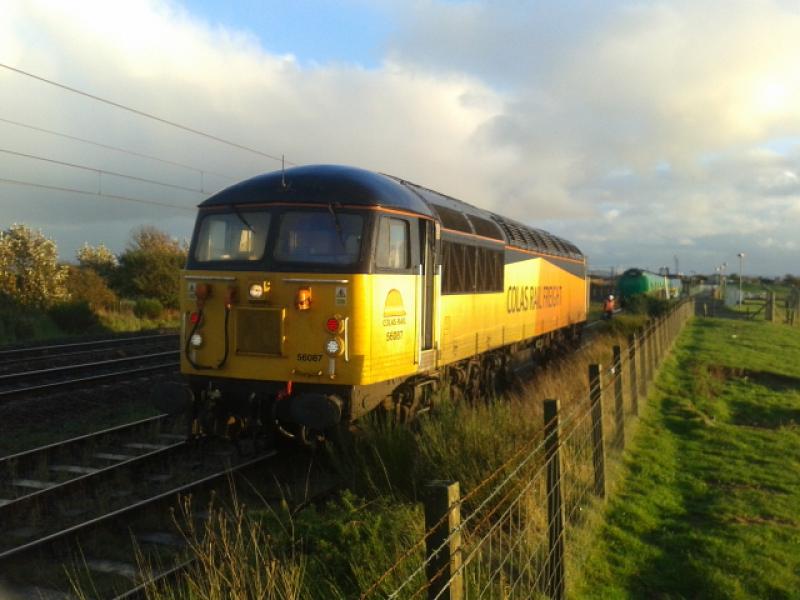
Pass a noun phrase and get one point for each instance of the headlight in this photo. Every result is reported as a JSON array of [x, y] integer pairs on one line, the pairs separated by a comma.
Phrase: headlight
[[196, 340], [256, 291], [333, 347]]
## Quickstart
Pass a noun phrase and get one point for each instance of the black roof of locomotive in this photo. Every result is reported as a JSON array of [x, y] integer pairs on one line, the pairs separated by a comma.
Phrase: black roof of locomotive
[[323, 184]]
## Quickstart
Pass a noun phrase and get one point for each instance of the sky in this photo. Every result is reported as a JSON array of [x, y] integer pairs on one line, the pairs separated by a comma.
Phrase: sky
[[642, 131]]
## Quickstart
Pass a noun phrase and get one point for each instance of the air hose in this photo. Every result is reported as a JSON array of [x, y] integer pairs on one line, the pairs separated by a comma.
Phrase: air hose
[[187, 349], [227, 341]]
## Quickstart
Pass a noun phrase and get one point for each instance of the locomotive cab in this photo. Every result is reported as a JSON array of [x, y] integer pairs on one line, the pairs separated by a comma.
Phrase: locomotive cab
[[296, 302]]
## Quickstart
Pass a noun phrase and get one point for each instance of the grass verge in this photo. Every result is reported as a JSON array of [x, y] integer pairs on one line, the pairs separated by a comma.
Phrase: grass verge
[[708, 507]]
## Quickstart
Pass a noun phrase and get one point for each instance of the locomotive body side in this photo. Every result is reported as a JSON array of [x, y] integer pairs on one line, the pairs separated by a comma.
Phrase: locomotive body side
[[313, 296], [542, 295]]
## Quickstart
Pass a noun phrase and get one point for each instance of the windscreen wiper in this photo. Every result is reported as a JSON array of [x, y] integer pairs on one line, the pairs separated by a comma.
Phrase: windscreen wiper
[[241, 218], [337, 223]]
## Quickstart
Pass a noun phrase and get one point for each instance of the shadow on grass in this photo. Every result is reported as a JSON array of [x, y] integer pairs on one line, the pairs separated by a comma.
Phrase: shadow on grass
[[689, 533]]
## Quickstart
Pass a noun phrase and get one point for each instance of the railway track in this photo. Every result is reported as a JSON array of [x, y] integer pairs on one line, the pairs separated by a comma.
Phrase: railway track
[[35, 358], [121, 553], [55, 469], [63, 500], [38, 381], [28, 352]]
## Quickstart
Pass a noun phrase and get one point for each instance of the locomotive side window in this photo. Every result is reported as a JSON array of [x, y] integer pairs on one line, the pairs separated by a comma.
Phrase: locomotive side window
[[232, 236], [468, 269], [393, 244], [332, 238]]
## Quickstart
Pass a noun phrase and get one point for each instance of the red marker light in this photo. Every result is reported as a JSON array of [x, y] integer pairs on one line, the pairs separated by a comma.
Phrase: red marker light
[[194, 318], [332, 325]]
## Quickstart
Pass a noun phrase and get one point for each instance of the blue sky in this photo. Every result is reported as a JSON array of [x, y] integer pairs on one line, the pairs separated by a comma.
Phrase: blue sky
[[318, 31]]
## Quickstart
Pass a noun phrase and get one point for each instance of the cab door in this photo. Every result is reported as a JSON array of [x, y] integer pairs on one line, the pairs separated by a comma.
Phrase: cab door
[[395, 303], [427, 294]]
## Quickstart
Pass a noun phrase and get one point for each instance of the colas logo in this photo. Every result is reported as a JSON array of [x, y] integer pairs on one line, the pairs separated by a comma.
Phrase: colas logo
[[394, 313]]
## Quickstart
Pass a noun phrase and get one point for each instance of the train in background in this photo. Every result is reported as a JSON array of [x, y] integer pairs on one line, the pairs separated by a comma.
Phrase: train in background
[[314, 295], [634, 282]]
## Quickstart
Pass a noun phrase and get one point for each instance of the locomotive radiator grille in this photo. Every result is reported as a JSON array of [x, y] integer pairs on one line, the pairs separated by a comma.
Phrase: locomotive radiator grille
[[259, 331]]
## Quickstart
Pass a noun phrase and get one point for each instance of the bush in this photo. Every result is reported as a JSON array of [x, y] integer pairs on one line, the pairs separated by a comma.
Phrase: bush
[[150, 267], [657, 306], [84, 283], [21, 323], [148, 308], [74, 317], [647, 305], [29, 269]]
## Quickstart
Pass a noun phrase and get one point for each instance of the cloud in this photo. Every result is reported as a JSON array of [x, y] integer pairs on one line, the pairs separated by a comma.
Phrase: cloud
[[637, 130], [154, 56], [617, 106]]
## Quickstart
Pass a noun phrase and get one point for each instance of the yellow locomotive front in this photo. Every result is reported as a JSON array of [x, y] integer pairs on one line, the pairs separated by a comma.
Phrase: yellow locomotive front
[[299, 299]]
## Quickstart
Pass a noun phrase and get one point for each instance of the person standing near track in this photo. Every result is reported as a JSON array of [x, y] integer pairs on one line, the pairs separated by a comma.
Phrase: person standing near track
[[608, 307]]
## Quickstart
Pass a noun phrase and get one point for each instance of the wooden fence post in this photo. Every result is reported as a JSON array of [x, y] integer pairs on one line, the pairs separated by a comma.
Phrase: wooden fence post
[[634, 382], [769, 315], [651, 352], [673, 326], [643, 362], [619, 405], [598, 445], [554, 573], [442, 499], [659, 343]]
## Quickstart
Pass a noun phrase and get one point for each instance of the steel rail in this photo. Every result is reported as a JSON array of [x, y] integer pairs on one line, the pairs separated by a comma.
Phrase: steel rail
[[10, 377], [64, 486], [140, 591], [99, 343], [74, 529], [89, 378], [8, 364], [81, 438]]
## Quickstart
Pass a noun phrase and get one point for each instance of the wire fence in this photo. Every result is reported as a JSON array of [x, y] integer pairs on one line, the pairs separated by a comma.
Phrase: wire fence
[[507, 538]]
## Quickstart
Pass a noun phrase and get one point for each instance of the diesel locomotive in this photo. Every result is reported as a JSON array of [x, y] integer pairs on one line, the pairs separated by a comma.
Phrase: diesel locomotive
[[634, 282], [314, 295]]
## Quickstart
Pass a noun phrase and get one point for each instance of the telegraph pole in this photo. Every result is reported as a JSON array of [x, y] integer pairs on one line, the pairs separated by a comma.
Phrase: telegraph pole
[[741, 261]]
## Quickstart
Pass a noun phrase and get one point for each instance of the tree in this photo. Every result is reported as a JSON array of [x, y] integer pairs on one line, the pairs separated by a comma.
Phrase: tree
[[29, 269], [790, 279], [150, 266], [99, 258], [84, 284]]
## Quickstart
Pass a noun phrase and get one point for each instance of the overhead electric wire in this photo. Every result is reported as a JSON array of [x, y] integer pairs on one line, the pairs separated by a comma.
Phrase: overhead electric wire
[[117, 149], [101, 171], [87, 193], [142, 113]]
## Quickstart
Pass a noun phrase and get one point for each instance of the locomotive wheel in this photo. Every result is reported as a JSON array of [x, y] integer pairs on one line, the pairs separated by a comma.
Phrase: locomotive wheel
[[413, 399], [474, 384], [406, 404]]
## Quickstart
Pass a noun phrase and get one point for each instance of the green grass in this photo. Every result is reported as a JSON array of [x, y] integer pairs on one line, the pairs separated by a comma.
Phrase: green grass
[[119, 322], [19, 325], [708, 508]]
